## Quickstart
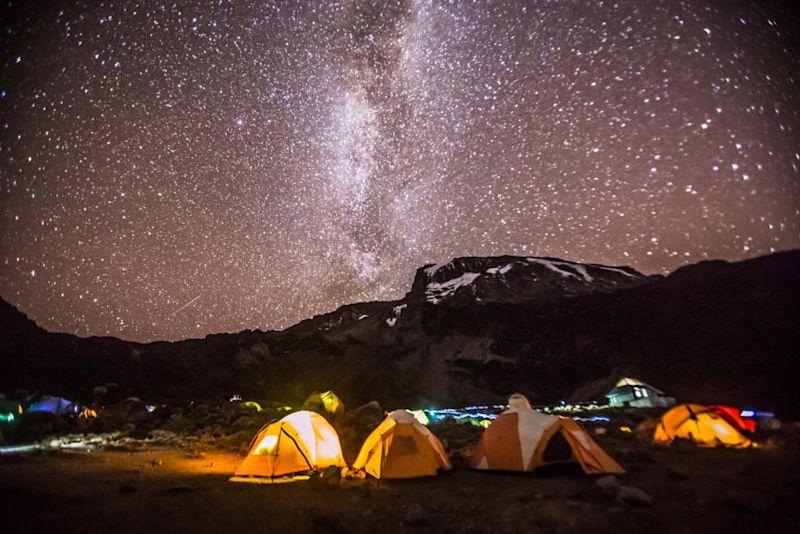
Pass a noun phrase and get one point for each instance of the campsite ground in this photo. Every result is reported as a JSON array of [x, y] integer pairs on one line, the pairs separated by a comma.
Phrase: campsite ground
[[158, 489]]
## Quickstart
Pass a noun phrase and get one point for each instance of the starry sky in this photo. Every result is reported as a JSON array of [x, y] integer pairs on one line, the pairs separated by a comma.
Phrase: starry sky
[[177, 168]]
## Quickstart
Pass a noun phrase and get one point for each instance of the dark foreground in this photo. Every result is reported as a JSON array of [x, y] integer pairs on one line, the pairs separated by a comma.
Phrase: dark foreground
[[179, 490]]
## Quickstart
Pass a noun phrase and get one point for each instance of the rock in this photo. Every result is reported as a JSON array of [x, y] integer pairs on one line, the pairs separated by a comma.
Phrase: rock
[[100, 393], [366, 415], [37, 425], [415, 515], [139, 433], [677, 473], [331, 476], [634, 496], [609, 484]]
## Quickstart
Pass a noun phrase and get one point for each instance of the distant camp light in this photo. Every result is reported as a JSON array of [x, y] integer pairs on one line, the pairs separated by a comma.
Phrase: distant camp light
[[150, 408], [748, 413], [9, 411], [625, 429], [420, 416], [9, 450]]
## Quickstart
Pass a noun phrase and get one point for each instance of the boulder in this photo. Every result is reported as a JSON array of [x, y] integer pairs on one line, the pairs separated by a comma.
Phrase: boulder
[[634, 496], [609, 485]]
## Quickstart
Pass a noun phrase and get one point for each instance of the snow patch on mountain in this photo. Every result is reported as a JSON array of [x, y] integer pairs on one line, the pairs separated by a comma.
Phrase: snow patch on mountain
[[500, 270], [398, 311], [553, 266], [436, 292], [430, 271], [614, 269]]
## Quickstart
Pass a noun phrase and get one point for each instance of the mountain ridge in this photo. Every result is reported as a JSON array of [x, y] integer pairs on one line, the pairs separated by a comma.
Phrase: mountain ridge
[[552, 328]]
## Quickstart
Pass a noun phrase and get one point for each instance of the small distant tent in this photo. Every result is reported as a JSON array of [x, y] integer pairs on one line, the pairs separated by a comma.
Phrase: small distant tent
[[523, 439], [700, 425], [290, 449], [10, 412], [401, 447], [55, 406], [325, 403], [733, 417], [634, 393]]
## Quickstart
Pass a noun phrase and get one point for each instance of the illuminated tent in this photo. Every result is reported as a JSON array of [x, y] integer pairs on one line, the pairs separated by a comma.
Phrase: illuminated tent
[[291, 448], [55, 406], [522, 439], [698, 424], [733, 417], [325, 403], [401, 447]]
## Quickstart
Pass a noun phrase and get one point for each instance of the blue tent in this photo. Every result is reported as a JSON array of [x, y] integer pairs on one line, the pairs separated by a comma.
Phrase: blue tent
[[54, 405]]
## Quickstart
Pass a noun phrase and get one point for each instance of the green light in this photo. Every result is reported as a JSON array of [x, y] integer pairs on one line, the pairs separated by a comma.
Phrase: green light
[[253, 404]]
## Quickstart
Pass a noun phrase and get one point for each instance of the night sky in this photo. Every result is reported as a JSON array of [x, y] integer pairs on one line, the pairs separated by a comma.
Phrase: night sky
[[173, 169]]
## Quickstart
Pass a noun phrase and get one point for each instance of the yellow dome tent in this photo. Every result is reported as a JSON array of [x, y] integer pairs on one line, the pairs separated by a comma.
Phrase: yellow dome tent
[[522, 439], [699, 424], [325, 403], [401, 447], [290, 449]]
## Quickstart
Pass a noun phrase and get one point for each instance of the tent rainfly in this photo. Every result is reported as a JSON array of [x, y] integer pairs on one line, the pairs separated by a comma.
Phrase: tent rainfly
[[700, 425], [55, 406], [326, 403], [734, 418], [290, 449], [401, 447], [522, 439]]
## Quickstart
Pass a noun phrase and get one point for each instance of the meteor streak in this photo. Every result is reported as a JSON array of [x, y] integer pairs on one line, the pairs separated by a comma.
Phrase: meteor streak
[[185, 305]]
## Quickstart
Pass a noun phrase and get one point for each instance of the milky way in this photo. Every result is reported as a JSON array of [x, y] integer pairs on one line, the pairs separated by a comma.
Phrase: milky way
[[172, 169]]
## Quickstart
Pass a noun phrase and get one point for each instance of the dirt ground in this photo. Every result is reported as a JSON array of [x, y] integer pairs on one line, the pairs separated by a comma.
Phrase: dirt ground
[[174, 490]]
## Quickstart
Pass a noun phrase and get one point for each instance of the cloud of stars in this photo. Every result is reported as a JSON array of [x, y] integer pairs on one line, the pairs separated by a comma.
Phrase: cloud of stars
[[173, 169]]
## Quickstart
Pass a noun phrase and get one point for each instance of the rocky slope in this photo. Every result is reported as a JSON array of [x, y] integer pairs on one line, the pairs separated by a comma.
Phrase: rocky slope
[[472, 330]]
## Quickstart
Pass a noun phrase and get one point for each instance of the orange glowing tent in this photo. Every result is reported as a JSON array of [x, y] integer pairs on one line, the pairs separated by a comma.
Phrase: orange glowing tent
[[401, 447], [700, 425], [290, 449], [522, 439]]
